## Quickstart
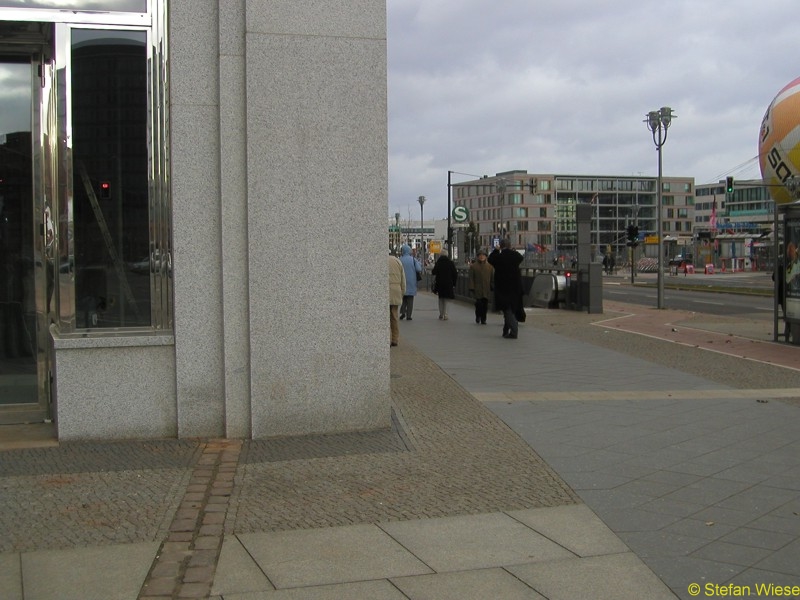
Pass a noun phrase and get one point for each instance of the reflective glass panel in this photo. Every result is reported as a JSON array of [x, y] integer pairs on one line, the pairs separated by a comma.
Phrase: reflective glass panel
[[138, 6], [113, 260], [17, 304]]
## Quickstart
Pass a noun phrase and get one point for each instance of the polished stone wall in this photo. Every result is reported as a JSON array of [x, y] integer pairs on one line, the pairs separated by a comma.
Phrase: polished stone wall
[[114, 388], [279, 186]]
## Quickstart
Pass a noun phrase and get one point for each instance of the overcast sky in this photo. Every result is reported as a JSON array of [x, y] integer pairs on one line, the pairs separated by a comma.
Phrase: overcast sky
[[563, 86]]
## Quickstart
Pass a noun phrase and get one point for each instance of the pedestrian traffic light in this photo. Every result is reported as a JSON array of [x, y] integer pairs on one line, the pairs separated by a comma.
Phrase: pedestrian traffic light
[[105, 190], [729, 185], [633, 235]]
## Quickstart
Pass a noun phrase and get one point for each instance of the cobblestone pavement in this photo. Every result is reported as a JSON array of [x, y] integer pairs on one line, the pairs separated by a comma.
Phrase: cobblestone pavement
[[445, 455], [449, 456], [91, 494]]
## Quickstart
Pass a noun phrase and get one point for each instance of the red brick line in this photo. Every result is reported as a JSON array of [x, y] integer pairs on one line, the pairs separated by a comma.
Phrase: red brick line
[[186, 562], [669, 325]]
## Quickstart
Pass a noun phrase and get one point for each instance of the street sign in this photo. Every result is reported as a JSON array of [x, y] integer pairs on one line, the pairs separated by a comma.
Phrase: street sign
[[434, 246], [460, 214]]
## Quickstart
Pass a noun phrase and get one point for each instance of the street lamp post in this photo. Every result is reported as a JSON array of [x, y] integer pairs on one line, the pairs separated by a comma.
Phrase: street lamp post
[[658, 122], [421, 201], [399, 231], [449, 237], [501, 189]]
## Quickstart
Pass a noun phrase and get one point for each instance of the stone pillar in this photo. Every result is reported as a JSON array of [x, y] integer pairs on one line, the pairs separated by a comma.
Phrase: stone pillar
[[317, 194]]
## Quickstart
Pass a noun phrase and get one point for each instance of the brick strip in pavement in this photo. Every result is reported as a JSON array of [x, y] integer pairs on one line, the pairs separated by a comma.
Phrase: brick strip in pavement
[[186, 562]]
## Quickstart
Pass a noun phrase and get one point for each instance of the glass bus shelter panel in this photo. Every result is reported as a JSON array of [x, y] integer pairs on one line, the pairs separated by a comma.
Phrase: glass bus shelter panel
[[138, 6], [113, 259]]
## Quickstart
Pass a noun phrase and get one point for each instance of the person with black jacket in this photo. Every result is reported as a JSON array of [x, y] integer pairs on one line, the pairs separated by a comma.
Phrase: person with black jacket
[[444, 283], [507, 286]]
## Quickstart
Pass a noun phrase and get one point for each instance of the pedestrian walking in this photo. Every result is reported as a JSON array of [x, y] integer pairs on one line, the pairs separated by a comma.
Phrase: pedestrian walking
[[444, 283], [397, 287], [480, 285], [780, 273], [609, 263], [507, 286], [413, 270]]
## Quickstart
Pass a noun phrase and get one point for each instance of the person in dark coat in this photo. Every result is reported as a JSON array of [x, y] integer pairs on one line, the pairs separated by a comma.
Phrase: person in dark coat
[[507, 286], [445, 275], [480, 285]]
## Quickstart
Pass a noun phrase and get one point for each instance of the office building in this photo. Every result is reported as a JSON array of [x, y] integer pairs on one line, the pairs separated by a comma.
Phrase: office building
[[735, 228], [177, 178], [537, 211]]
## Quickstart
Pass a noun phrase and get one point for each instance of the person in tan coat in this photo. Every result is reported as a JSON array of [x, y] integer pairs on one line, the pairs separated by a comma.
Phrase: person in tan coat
[[480, 285], [397, 287]]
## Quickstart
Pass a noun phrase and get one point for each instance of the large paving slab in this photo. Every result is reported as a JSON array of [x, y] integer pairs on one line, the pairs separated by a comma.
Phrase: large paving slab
[[614, 577], [467, 585], [94, 573], [310, 557], [575, 528], [473, 542]]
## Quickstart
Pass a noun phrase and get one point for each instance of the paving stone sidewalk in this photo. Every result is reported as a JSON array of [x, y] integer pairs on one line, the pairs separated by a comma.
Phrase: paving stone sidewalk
[[445, 455], [458, 459]]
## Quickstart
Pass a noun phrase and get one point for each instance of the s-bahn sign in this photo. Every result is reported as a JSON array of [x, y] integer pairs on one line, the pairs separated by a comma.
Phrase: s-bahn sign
[[460, 214]]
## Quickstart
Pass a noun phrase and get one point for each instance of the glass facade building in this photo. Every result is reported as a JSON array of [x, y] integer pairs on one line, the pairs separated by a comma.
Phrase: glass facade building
[[147, 154], [537, 212]]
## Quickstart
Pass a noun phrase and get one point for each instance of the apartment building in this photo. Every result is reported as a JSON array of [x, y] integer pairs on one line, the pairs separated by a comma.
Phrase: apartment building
[[537, 211]]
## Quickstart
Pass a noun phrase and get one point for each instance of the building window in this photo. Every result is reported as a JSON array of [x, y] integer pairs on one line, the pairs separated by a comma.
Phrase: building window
[[565, 185], [113, 255], [134, 6], [115, 206]]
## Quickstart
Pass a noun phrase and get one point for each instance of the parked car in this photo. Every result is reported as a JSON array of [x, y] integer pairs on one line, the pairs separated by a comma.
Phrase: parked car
[[680, 260]]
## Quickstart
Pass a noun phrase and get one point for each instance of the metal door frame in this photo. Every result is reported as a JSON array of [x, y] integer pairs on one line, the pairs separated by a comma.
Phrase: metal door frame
[[53, 177], [43, 164]]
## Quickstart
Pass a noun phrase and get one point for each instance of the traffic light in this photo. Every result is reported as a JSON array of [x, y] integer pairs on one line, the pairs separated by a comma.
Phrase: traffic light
[[729, 185], [105, 190], [633, 236]]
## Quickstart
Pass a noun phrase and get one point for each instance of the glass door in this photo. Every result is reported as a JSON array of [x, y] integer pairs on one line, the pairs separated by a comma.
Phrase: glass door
[[27, 229], [85, 242]]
